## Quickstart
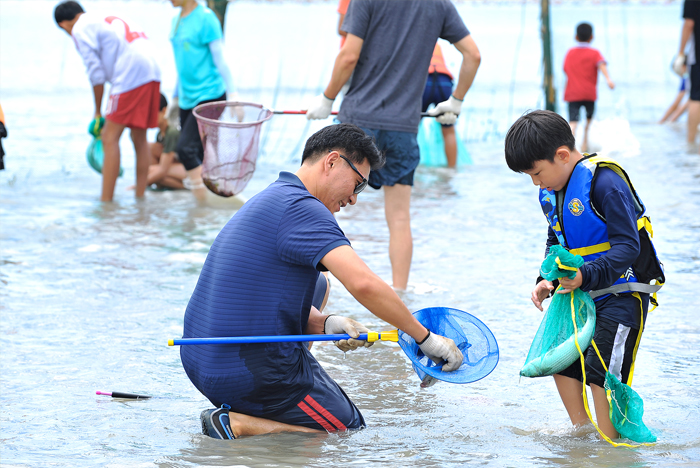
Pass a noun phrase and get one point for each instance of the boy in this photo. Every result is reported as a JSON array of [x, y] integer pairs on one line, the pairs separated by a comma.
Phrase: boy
[[592, 210], [165, 169], [116, 52], [581, 66]]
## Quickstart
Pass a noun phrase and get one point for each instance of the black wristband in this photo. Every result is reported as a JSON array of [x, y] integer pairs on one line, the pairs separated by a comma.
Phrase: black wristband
[[426, 337], [324, 322]]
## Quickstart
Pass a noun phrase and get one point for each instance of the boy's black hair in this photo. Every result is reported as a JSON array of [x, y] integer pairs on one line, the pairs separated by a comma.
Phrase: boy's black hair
[[66, 11], [354, 144], [584, 32], [163, 102], [535, 136]]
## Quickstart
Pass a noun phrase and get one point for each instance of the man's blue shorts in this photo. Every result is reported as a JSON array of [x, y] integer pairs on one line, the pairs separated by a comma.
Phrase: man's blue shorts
[[326, 407], [402, 157], [438, 89]]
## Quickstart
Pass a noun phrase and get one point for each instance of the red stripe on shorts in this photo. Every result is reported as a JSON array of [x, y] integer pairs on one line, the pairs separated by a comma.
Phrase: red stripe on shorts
[[324, 412], [305, 408]]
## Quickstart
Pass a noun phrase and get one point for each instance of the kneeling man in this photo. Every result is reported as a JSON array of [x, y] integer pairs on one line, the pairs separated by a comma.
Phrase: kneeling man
[[262, 277]]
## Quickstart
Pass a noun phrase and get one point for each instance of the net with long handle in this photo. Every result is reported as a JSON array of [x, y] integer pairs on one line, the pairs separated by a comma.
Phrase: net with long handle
[[472, 337], [230, 132]]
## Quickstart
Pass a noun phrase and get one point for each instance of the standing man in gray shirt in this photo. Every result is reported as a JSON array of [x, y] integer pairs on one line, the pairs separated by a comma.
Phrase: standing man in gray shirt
[[389, 45]]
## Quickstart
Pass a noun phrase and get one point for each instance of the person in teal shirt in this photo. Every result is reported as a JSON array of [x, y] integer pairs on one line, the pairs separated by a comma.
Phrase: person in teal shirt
[[203, 76]]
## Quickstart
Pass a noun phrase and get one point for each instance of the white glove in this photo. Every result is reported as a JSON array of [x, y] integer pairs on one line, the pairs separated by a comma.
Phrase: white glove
[[174, 113], [439, 348], [320, 108], [237, 112], [447, 111], [678, 64], [337, 324]]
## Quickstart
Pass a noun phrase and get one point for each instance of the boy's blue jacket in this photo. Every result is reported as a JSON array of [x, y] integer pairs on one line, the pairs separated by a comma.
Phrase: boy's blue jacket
[[577, 217]]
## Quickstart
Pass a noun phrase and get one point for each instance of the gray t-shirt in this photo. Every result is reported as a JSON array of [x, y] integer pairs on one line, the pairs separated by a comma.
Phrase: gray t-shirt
[[399, 39]]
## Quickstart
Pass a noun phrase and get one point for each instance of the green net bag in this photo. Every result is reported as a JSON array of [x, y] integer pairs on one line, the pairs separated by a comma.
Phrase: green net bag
[[95, 153], [553, 349], [626, 411], [432, 145]]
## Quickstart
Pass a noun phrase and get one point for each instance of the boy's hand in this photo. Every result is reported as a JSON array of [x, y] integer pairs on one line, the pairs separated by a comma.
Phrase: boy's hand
[[611, 85], [541, 292], [568, 285]]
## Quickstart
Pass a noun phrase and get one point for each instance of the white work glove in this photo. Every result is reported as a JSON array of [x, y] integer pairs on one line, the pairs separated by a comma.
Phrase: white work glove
[[447, 111], [320, 108], [174, 113], [236, 112], [439, 348], [678, 64], [336, 324]]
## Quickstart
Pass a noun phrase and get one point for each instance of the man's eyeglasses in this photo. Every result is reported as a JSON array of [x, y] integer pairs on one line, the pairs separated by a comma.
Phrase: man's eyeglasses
[[361, 186]]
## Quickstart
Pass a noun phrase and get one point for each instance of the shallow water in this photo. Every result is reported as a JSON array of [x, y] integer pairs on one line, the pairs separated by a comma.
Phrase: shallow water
[[90, 293]]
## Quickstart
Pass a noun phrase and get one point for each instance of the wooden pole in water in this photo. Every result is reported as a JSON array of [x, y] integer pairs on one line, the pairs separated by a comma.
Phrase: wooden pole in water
[[550, 95]]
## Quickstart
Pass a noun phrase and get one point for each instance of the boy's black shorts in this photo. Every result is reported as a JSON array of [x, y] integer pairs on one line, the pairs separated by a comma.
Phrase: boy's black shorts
[[575, 109], [616, 344]]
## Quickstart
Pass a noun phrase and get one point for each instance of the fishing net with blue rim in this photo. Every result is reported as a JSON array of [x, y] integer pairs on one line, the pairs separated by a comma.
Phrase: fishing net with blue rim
[[472, 336]]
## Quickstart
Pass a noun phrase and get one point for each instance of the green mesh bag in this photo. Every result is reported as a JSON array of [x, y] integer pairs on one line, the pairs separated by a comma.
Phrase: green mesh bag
[[432, 145], [553, 349], [95, 152], [626, 411]]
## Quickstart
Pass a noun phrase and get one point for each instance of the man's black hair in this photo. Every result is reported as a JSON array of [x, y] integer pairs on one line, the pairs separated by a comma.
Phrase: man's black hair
[[349, 139], [163, 102], [535, 136], [66, 11], [584, 32]]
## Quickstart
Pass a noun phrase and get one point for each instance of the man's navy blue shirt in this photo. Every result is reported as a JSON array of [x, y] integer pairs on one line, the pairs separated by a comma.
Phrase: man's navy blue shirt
[[259, 279], [613, 199]]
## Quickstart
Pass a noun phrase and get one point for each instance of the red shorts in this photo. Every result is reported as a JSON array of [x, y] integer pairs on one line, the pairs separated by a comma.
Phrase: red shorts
[[137, 108]]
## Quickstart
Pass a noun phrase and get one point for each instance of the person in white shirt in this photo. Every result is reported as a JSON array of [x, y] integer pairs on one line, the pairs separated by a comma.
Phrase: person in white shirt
[[114, 51]]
